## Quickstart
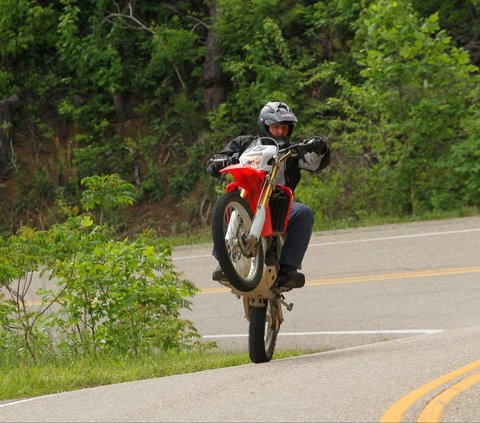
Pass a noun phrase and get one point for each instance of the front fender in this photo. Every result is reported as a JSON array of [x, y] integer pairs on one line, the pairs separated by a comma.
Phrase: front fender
[[247, 177], [251, 180]]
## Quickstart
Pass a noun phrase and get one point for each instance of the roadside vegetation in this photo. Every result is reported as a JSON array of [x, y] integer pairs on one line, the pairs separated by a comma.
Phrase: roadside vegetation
[[60, 374], [110, 312], [149, 90], [107, 299], [109, 111]]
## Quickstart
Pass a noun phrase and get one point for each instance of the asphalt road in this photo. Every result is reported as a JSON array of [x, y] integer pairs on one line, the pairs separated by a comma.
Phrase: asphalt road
[[415, 285], [363, 286]]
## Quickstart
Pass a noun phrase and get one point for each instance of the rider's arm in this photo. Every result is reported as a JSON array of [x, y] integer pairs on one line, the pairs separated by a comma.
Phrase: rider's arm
[[237, 146], [315, 162], [318, 156], [229, 155]]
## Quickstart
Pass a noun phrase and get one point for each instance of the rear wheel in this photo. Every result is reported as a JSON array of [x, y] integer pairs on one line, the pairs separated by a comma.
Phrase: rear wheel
[[231, 223], [263, 330]]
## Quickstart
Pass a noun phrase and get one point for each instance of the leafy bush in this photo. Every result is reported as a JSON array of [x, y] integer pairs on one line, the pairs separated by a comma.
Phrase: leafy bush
[[106, 192], [121, 296], [102, 295]]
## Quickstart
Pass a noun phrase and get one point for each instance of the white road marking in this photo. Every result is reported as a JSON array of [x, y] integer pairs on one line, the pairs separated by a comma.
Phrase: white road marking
[[388, 238], [352, 332], [192, 257], [25, 400], [358, 241], [343, 332]]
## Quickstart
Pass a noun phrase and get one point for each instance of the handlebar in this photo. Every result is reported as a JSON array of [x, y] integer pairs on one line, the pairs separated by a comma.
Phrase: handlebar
[[299, 148], [227, 160]]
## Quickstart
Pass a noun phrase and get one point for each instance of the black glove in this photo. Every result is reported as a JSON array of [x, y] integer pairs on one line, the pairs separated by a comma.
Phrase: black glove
[[301, 148], [317, 145], [216, 164]]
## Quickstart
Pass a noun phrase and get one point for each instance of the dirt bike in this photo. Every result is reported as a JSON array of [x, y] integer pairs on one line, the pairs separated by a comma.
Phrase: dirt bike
[[248, 225]]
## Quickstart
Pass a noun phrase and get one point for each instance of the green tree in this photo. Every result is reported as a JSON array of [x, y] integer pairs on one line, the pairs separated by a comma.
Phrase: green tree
[[460, 18], [109, 87], [415, 92]]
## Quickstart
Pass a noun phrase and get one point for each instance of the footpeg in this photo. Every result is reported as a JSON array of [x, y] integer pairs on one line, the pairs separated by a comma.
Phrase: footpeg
[[287, 305]]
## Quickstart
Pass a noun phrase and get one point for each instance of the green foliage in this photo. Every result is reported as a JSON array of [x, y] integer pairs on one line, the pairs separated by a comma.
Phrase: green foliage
[[21, 258], [102, 295], [464, 159], [60, 374], [121, 297], [107, 192], [109, 89], [27, 33], [459, 18], [264, 70], [415, 92], [189, 172], [34, 195]]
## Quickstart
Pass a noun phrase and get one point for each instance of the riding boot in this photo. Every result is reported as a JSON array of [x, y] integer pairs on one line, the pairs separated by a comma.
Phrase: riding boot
[[290, 277]]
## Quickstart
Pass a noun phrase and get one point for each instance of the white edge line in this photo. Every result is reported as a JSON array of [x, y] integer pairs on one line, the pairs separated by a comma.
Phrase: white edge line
[[192, 257], [26, 400], [360, 332], [356, 241], [347, 332], [388, 238]]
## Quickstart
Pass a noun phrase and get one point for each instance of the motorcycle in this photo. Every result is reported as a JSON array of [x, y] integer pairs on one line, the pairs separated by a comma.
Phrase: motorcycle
[[248, 228]]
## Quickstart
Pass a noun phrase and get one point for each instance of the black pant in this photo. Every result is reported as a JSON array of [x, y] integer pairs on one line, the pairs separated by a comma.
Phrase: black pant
[[299, 231]]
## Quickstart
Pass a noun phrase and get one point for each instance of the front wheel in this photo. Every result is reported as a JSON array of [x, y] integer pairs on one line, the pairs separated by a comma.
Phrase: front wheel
[[263, 330], [231, 223]]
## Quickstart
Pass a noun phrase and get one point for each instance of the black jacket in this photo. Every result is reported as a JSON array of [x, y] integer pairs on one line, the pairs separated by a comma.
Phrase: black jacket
[[312, 162]]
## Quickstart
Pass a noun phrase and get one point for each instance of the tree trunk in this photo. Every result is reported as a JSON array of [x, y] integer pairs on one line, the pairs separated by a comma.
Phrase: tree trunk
[[214, 92], [6, 136], [119, 111]]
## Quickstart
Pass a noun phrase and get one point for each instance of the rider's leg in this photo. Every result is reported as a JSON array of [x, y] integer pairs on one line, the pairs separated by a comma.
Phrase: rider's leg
[[299, 231], [218, 274]]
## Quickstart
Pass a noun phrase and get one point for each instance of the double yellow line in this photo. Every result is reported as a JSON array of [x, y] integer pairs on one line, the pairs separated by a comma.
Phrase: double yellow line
[[435, 408], [373, 278], [358, 279]]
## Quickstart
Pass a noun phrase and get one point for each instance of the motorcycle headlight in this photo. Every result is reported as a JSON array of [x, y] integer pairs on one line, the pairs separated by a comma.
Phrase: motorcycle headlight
[[252, 160], [259, 156]]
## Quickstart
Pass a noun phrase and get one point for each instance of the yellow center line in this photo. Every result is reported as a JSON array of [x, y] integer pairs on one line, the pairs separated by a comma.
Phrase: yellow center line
[[394, 276], [371, 278], [433, 412], [355, 279], [206, 291], [396, 412]]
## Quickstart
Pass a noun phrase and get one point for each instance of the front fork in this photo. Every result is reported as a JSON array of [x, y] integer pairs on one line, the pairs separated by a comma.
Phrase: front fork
[[259, 218], [261, 212]]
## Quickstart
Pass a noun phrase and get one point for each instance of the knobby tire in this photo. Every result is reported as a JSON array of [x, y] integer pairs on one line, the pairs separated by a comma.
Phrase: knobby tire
[[262, 335]]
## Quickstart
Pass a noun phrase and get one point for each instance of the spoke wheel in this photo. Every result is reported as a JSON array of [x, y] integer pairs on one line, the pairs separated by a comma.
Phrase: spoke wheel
[[231, 223]]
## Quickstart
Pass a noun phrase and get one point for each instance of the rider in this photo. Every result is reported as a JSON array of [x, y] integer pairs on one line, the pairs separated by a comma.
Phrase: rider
[[276, 120]]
